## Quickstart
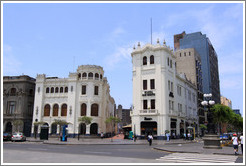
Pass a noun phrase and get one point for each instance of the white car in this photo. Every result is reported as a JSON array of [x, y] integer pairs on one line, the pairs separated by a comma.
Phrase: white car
[[18, 137]]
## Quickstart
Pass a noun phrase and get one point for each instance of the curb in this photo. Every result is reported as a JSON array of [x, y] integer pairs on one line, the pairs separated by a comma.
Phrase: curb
[[170, 151]]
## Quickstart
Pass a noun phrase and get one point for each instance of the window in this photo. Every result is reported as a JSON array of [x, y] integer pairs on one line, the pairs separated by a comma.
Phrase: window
[[152, 103], [55, 110], [171, 63], [100, 76], [179, 90], [71, 88], [97, 76], [96, 90], [144, 84], [47, 90], [84, 75], [179, 107], [152, 59], [189, 95], [47, 110], [94, 110], [83, 109], [90, 75], [185, 54], [145, 104], [171, 86], [79, 76], [144, 60], [56, 90], [12, 92], [66, 89], [167, 61], [152, 84], [64, 110], [52, 90], [61, 89], [189, 53], [83, 89], [11, 107], [180, 54]]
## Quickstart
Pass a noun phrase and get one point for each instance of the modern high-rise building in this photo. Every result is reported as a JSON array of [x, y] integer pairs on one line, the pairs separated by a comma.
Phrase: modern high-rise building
[[209, 60], [18, 101], [163, 100], [189, 63]]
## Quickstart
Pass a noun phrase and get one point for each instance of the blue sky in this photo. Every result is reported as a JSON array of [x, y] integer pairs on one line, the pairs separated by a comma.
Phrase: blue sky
[[56, 38]]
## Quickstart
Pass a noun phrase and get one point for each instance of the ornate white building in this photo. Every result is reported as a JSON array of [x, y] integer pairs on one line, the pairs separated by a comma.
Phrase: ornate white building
[[162, 98], [84, 93]]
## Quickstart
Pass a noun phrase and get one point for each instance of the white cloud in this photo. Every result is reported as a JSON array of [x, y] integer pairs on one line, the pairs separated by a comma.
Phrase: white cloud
[[117, 32], [11, 65]]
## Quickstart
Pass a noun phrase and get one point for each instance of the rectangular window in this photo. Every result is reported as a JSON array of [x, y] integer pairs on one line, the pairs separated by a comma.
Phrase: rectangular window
[[11, 107], [83, 89], [145, 104], [171, 86], [144, 84], [96, 90], [152, 103], [152, 84]]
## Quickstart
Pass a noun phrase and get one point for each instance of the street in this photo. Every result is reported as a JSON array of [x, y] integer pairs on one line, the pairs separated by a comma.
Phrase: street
[[42, 153]]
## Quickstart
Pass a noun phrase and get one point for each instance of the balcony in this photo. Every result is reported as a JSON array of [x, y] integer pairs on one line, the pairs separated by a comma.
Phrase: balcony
[[181, 114], [173, 113], [148, 112]]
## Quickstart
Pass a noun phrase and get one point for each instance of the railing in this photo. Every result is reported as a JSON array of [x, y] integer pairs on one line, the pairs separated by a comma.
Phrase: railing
[[148, 112], [173, 113]]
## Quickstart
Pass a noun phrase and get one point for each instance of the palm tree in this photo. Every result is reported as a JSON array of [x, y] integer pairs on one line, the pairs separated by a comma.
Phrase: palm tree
[[221, 114], [111, 121], [86, 120]]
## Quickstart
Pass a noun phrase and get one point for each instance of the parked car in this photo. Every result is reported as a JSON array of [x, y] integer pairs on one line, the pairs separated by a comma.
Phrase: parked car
[[18, 137], [6, 136]]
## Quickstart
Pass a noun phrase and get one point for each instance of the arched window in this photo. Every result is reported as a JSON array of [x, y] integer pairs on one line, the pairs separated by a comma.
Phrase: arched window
[[84, 75], [79, 76], [90, 75], [83, 109], [94, 110], [55, 110], [47, 90], [144, 60], [64, 110], [97, 76], [100, 76], [66, 89], [52, 90], [61, 89], [56, 90], [12, 92], [152, 59], [47, 110]]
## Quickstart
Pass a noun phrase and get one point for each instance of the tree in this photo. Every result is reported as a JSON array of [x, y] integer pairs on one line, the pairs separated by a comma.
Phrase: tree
[[221, 114], [18, 124], [36, 124], [86, 120], [203, 127], [60, 123], [237, 122], [112, 121]]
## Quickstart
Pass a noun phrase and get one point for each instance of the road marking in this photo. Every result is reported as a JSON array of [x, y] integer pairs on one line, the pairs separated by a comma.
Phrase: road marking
[[98, 152], [36, 149], [197, 158]]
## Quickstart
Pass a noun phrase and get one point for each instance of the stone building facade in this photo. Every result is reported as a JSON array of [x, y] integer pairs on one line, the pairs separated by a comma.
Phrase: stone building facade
[[18, 101], [84, 93], [162, 98], [124, 116]]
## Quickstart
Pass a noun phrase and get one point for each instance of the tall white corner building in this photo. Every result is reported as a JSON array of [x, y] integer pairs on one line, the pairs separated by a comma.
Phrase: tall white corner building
[[163, 100], [84, 93]]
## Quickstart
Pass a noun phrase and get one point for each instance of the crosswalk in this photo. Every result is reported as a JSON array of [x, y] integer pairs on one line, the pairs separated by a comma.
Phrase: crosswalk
[[197, 158]]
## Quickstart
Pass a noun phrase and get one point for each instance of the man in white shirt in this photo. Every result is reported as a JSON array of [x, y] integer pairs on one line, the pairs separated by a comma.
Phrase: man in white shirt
[[241, 142], [235, 143]]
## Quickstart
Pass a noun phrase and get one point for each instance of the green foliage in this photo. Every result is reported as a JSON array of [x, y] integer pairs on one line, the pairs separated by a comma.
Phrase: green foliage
[[203, 127], [61, 122], [112, 119], [85, 119], [18, 124]]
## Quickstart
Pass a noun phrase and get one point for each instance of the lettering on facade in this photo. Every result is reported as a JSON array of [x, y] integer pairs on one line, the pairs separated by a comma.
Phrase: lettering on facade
[[148, 93], [145, 118]]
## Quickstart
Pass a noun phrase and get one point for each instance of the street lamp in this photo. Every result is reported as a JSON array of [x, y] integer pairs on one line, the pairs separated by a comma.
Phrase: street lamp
[[211, 140]]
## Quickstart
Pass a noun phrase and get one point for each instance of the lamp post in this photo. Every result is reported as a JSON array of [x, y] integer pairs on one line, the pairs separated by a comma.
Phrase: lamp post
[[211, 140]]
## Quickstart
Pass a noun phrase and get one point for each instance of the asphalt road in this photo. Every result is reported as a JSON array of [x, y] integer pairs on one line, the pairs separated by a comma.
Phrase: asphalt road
[[19, 152]]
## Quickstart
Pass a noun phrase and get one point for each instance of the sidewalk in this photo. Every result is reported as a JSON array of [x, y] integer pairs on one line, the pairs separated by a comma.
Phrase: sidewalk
[[173, 146]]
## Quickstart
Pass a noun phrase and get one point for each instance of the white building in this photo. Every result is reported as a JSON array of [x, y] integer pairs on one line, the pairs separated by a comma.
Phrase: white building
[[84, 93], [162, 98]]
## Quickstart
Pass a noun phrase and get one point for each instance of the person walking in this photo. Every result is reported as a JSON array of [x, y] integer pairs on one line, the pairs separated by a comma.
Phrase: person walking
[[241, 142], [234, 140], [150, 138], [102, 135]]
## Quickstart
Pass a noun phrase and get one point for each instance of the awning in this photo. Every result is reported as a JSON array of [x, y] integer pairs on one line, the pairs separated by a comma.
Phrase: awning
[[127, 126]]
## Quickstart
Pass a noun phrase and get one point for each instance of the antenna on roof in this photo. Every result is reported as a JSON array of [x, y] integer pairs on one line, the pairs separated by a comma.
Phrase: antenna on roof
[[151, 28]]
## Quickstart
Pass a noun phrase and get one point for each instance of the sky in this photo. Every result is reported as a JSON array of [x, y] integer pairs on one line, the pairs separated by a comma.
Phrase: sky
[[55, 38]]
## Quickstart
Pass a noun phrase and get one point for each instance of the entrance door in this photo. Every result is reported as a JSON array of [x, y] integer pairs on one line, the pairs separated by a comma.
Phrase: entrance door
[[8, 128], [93, 129], [148, 128]]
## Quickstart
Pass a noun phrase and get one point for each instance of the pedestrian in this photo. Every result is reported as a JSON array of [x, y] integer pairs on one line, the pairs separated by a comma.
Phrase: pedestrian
[[184, 136], [150, 138], [189, 136], [241, 142], [102, 135], [167, 136], [234, 140], [135, 137]]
